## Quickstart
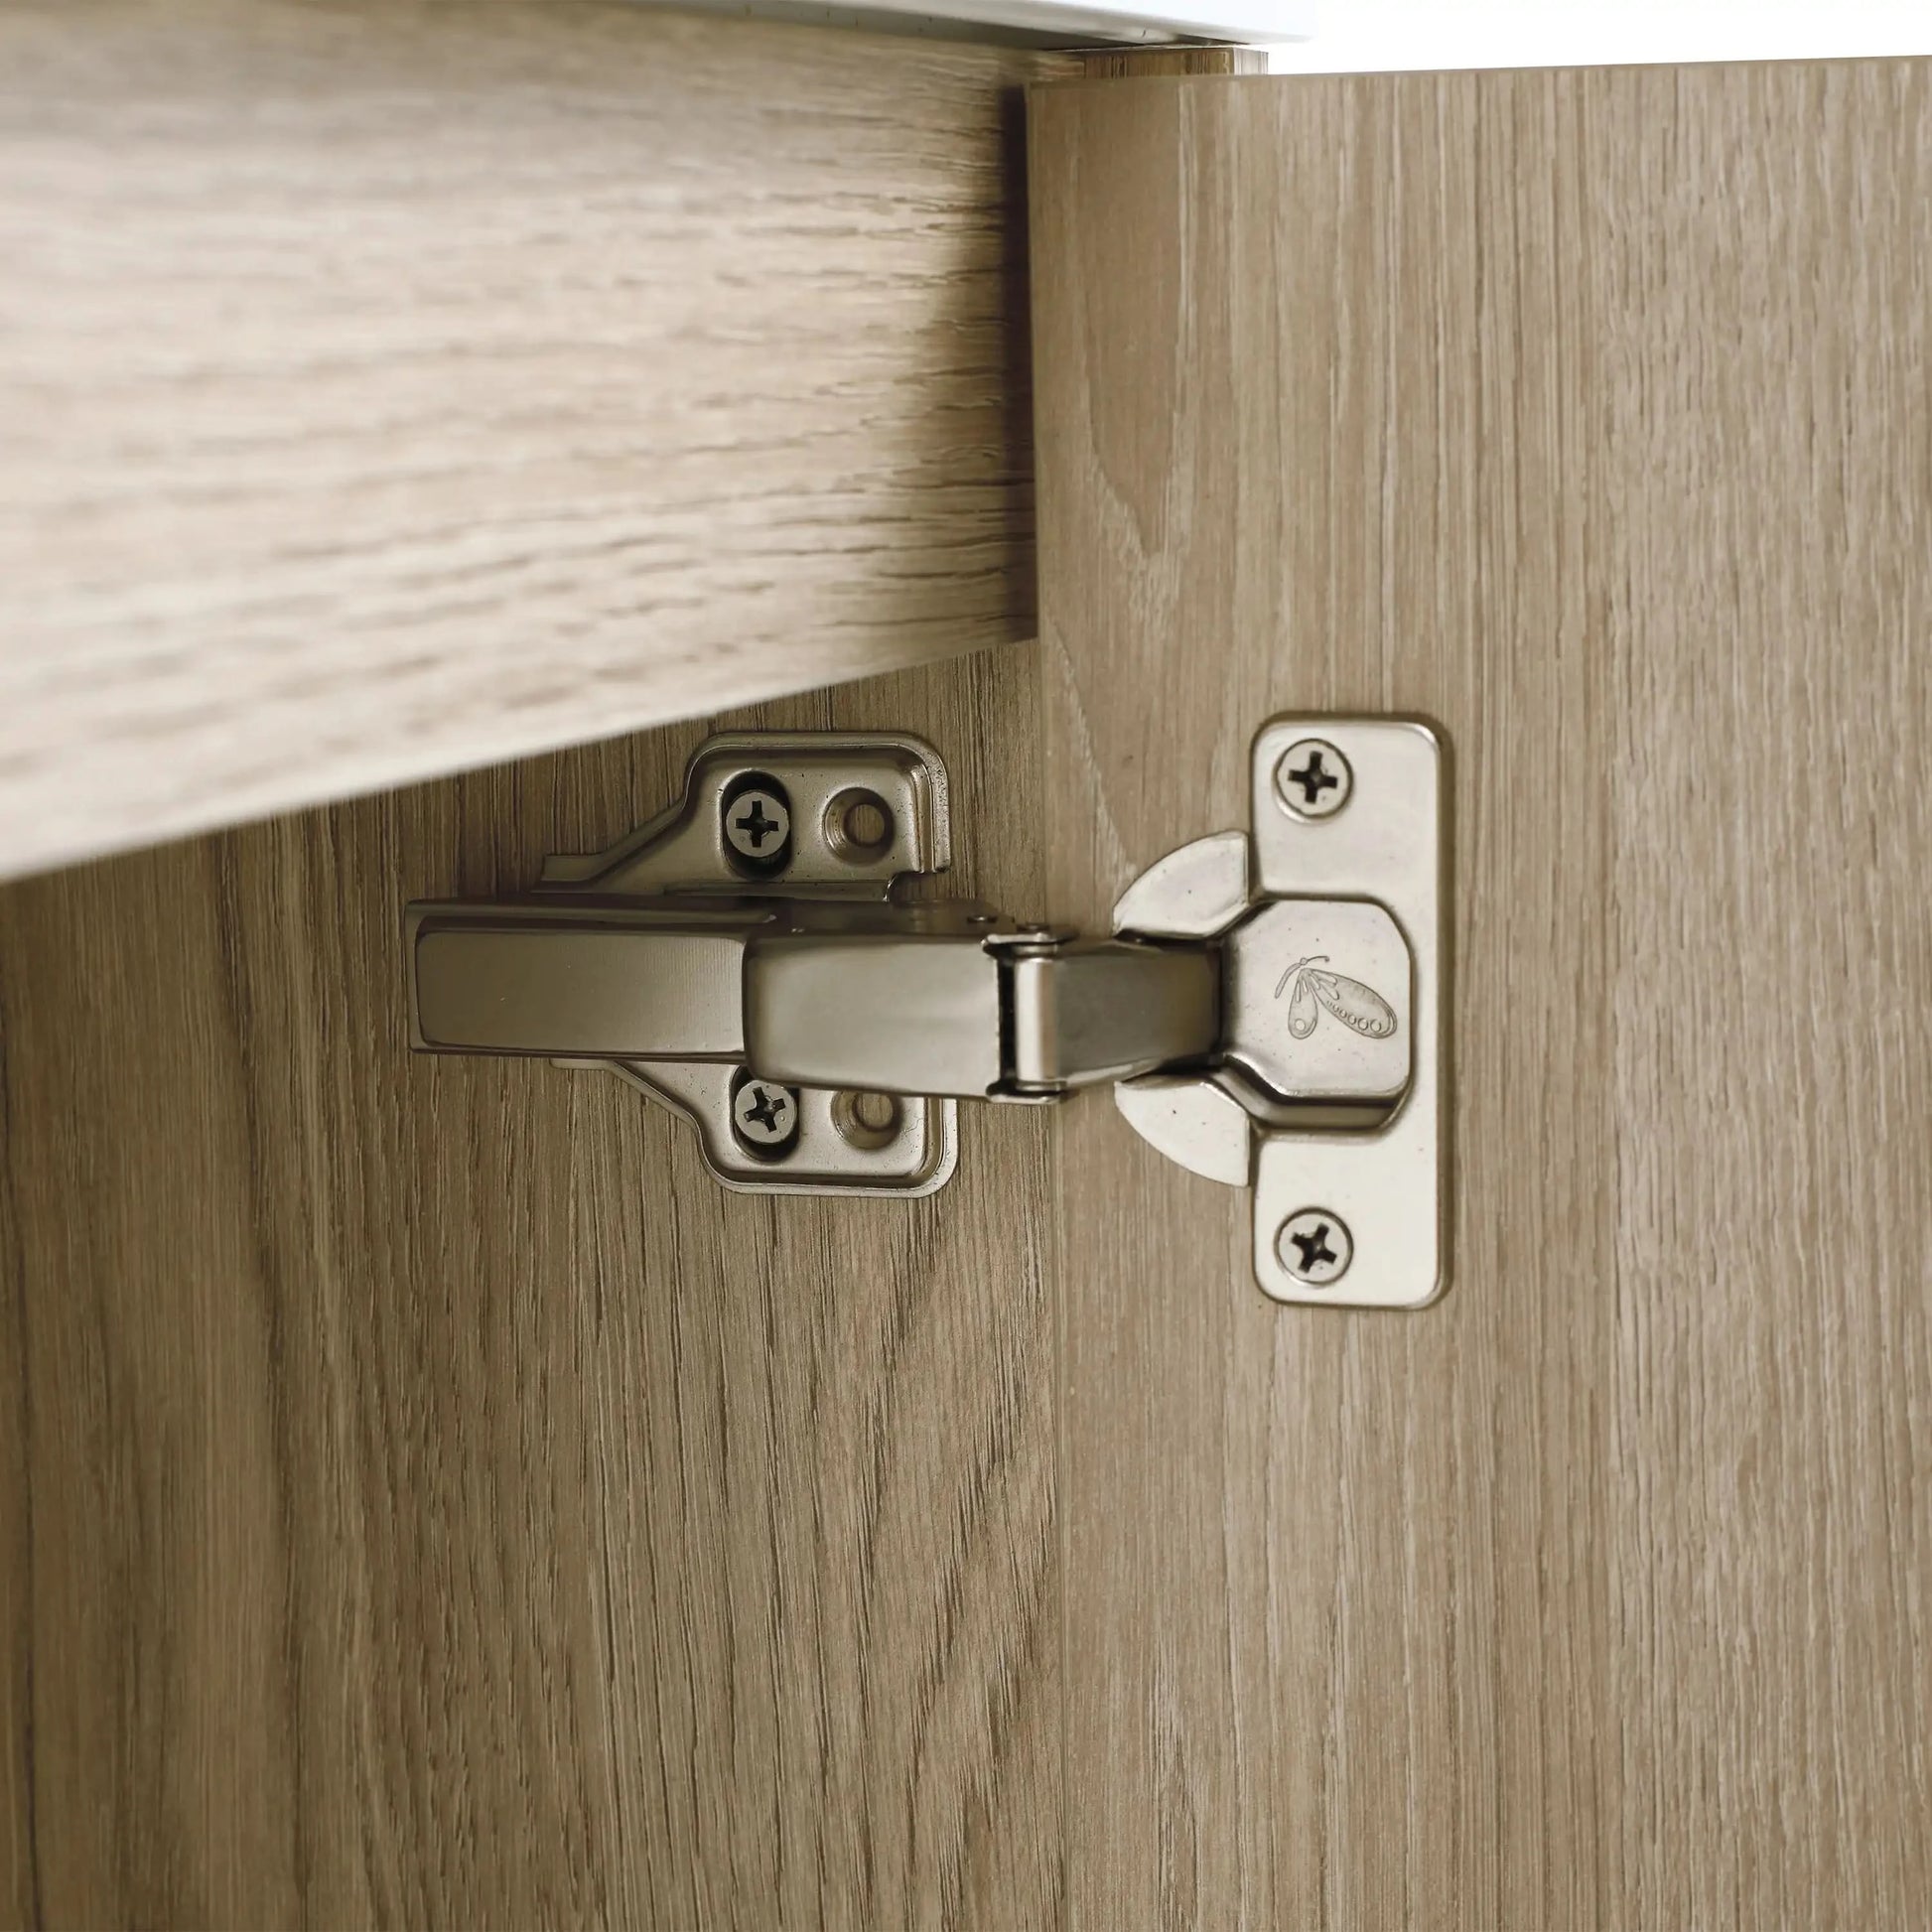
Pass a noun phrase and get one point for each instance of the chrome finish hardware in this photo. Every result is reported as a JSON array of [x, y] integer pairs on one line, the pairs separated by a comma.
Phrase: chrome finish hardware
[[670, 959], [1269, 1002], [1326, 1095]]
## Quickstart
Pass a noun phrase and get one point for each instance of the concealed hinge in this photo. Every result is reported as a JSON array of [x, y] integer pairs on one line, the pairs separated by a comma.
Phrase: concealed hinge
[[1269, 1004]]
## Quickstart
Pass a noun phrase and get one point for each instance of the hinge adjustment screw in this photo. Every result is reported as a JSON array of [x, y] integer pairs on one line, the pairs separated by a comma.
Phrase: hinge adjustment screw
[[765, 1116], [758, 823]]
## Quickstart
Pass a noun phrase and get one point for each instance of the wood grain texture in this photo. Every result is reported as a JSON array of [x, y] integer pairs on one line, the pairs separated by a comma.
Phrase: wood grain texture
[[1588, 414], [390, 387], [1140, 63], [427, 1497]]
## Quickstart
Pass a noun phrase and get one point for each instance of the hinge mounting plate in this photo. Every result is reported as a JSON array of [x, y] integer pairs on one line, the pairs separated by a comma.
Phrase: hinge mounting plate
[[828, 827]]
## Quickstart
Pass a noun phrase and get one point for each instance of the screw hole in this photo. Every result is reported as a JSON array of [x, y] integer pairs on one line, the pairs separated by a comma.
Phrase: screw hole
[[869, 1121], [859, 826]]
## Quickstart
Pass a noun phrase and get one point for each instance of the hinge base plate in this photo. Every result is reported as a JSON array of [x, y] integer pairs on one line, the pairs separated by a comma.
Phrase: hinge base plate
[[892, 787]]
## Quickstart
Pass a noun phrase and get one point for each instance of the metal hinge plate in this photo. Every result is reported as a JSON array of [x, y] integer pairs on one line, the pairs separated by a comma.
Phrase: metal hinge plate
[[1330, 928]]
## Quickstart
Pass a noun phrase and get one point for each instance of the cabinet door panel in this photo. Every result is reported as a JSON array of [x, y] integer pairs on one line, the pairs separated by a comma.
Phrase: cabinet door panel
[[1588, 415]]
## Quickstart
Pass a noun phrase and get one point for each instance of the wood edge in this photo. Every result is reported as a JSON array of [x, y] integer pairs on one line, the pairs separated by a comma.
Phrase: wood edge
[[1166, 62]]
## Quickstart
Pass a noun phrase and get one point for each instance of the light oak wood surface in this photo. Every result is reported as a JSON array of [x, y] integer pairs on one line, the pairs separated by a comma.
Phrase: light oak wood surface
[[426, 1497], [391, 388], [1589, 415]]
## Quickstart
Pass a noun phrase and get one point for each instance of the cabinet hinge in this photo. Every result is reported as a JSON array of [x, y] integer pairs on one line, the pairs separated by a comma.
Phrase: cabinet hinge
[[1269, 1005]]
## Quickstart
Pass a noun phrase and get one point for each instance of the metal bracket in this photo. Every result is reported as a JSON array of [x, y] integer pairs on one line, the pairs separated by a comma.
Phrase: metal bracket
[[1269, 1002], [631, 960], [1327, 1096]]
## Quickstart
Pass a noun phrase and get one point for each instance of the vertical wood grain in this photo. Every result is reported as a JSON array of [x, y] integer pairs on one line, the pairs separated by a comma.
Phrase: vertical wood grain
[[1138, 62], [1589, 415], [427, 1496], [1766, 337]]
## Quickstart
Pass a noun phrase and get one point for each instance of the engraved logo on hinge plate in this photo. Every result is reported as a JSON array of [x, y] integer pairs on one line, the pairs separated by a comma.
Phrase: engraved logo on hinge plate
[[1320, 1001], [1359, 1008]]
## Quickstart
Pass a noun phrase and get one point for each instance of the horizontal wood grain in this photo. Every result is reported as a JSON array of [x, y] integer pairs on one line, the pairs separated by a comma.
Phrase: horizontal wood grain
[[426, 1497], [390, 387], [1589, 415]]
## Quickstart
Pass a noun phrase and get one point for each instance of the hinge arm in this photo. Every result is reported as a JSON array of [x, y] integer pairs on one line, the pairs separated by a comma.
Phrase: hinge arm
[[890, 998]]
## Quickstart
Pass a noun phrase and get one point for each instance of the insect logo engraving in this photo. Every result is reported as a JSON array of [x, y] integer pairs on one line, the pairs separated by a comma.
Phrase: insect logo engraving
[[1359, 1008]]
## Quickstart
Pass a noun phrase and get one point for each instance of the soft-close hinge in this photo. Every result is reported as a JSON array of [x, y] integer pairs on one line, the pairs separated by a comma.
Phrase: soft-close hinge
[[757, 958]]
